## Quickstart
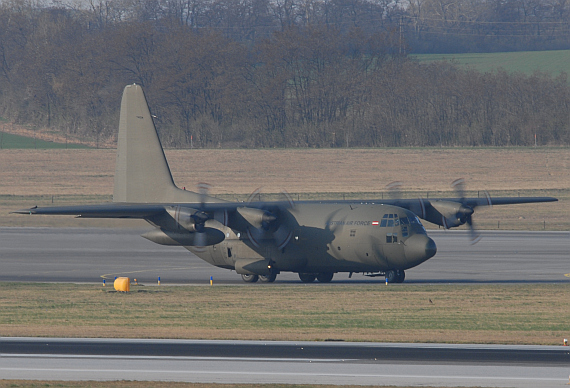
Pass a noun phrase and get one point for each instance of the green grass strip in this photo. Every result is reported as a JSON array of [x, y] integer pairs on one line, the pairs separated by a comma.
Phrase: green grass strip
[[10, 141]]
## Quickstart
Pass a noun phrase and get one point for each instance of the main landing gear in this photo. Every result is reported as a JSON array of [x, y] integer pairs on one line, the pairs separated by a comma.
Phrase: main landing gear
[[262, 278], [250, 278], [324, 277]]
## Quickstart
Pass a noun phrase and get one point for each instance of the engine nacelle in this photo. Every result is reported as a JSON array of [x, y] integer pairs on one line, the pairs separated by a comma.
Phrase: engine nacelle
[[258, 218], [209, 236], [451, 214], [183, 218]]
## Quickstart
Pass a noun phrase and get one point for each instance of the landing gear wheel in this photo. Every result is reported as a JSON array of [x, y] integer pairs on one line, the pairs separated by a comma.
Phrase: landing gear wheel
[[249, 278], [325, 277], [400, 276], [307, 277], [391, 276], [269, 278]]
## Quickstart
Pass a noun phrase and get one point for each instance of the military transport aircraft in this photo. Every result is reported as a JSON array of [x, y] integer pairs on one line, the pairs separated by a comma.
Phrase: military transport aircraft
[[259, 239]]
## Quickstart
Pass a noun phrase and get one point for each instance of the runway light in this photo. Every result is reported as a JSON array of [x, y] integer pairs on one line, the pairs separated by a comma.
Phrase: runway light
[[565, 342], [103, 282], [159, 280], [211, 280]]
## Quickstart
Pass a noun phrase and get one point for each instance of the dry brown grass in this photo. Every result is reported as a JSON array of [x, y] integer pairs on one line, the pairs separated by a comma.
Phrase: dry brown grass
[[512, 314], [90, 172], [63, 174]]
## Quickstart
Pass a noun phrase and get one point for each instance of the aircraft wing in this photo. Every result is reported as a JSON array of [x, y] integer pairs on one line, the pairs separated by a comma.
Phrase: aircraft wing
[[453, 212], [139, 210], [107, 210], [448, 212], [471, 202], [474, 202]]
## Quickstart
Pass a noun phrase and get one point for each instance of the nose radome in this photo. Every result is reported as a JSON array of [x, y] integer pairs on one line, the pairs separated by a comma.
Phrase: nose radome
[[419, 247]]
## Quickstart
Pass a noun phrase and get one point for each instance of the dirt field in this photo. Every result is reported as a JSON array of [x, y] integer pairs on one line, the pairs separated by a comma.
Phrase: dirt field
[[80, 176]]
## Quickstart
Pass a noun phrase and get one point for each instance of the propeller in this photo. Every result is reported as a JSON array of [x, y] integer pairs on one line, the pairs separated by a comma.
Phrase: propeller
[[188, 224], [203, 191], [329, 223], [194, 220], [394, 189], [268, 221], [395, 192], [465, 212], [200, 217]]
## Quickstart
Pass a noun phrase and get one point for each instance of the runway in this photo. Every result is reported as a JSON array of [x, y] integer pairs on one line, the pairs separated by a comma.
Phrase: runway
[[284, 362], [89, 255], [92, 254]]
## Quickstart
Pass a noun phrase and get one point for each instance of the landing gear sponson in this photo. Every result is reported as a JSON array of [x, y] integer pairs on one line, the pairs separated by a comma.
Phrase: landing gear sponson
[[392, 276], [324, 277]]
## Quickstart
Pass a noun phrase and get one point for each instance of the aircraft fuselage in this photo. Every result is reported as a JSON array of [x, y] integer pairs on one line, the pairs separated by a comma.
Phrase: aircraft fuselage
[[331, 237]]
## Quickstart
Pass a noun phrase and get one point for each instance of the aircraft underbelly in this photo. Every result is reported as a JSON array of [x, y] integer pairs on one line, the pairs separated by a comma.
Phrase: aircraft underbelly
[[211, 254]]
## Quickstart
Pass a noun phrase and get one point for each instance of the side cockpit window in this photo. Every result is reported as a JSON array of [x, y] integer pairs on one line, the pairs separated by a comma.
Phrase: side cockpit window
[[391, 238]]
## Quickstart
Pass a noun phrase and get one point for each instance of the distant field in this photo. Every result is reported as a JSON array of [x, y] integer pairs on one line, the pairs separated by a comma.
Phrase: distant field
[[65, 177], [10, 141], [552, 62]]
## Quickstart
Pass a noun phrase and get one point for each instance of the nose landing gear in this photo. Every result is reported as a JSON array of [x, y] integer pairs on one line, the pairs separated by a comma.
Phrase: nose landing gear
[[395, 276]]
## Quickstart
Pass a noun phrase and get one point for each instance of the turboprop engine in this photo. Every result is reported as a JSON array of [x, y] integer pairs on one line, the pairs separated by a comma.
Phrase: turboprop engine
[[184, 226], [265, 224], [453, 213]]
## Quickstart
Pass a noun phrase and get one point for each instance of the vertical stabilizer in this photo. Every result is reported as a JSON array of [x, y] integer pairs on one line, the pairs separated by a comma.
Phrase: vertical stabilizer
[[142, 174]]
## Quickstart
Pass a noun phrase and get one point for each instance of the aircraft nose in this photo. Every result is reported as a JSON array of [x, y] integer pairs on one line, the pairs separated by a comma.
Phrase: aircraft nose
[[419, 247]]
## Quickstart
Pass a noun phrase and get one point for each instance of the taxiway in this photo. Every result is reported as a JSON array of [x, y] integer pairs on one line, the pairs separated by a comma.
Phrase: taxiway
[[284, 362], [92, 254]]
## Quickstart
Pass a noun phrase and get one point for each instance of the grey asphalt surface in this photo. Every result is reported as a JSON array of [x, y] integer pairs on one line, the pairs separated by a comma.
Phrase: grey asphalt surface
[[92, 254], [284, 362]]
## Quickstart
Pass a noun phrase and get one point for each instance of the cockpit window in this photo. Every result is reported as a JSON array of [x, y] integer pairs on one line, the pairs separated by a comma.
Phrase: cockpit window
[[390, 220]]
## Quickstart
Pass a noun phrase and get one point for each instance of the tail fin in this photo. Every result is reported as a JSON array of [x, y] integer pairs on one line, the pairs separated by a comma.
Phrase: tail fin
[[142, 174]]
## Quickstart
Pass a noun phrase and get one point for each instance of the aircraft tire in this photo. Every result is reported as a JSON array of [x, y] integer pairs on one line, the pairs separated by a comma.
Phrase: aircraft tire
[[391, 276], [325, 277], [250, 278], [268, 279], [401, 275], [307, 277]]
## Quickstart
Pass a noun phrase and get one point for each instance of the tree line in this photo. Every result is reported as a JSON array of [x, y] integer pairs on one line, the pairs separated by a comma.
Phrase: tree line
[[258, 73]]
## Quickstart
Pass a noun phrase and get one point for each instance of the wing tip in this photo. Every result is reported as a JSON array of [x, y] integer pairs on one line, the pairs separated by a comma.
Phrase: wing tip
[[25, 211]]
